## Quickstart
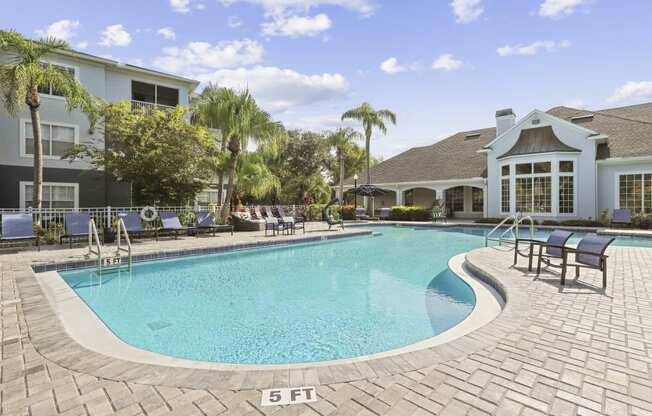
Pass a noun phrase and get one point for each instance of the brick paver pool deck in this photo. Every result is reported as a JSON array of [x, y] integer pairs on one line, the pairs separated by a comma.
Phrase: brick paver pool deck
[[553, 350]]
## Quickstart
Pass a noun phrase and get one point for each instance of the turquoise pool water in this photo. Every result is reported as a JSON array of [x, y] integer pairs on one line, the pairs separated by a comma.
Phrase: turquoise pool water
[[298, 303], [292, 304]]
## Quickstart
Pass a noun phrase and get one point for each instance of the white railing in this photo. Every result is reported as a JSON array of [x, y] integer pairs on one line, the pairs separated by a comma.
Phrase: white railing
[[94, 241], [147, 106], [51, 220]]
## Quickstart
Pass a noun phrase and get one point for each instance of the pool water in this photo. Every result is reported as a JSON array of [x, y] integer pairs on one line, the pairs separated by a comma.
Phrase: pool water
[[292, 304]]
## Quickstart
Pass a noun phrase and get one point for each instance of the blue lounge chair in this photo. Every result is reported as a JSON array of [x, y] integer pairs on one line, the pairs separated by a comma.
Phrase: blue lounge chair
[[204, 221], [171, 223], [16, 227], [134, 225], [622, 217], [556, 240], [589, 254], [75, 225]]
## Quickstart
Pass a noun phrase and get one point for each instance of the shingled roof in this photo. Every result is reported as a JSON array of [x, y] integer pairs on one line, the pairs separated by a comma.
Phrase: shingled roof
[[456, 157]]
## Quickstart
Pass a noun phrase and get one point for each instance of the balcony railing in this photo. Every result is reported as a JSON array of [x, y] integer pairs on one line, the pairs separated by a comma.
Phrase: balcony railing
[[147, 106]]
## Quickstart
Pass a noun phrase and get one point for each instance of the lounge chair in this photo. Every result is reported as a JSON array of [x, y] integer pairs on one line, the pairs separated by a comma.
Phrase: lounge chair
[[280, 225], [622, 217], [296, 222], [17, 227], [556, 239], [75, 225], [204, 221], [360, 214], [589, 254], [134, 225], [172, 224], [288, 221], [384, 214]]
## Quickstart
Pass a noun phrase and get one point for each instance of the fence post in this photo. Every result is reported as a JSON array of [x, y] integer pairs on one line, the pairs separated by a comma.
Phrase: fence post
[[109, 220]]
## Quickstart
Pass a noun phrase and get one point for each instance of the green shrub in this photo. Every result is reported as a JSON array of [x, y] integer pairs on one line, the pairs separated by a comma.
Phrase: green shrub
[[491, 221], [642, 221], [348, 212], [403, 213], [314, 212], [581, 223], [550, 222]]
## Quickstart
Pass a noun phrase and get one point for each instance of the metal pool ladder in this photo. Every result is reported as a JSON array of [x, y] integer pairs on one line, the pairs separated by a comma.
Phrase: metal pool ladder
[[512, 231], [110, 262]]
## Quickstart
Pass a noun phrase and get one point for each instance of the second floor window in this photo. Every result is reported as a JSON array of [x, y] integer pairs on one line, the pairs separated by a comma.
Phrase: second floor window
[[57, 139], [154, 94], [49, 89]]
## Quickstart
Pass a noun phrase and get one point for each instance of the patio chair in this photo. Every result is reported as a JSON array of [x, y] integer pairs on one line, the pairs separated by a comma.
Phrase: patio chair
[[257, 214], [589, 254], [438, 214], [622, 217], [204, 221], [384, 214], [288, 220], [17, 227], [75, 225], [272, 224], [134, 225], [281, 226], [556, 240], [172, 224]]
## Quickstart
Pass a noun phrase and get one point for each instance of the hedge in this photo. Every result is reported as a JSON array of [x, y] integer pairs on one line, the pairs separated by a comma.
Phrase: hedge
[[403, 213]]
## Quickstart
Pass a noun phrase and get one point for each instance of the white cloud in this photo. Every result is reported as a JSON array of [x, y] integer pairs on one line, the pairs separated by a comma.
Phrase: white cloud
[[61, 29], [180, 6], [82, 44], [167, 33], [632, 90], [533, 48], [576, 103], [560, 8], [282, 7], [318, 122], [279, 89], [446, 62], [391, 66], [115, 35], [202, 56], [466, 11], [234, 21], [296, 26]]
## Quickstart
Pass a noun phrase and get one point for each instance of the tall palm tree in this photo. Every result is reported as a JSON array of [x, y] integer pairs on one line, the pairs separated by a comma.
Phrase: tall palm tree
[[341, 139], [370, 119], [240, 119], [20, 79]]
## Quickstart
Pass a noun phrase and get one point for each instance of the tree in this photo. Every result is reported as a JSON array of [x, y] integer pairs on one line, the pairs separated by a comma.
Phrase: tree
[[20, 80], [240, 119], [255, 179], [164, 157], [342, 139], [370, 119]]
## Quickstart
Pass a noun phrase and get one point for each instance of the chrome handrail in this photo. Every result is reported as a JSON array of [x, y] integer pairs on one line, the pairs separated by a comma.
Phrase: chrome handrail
[[123, 229], [515, 226], [94, 237], [493, 230]]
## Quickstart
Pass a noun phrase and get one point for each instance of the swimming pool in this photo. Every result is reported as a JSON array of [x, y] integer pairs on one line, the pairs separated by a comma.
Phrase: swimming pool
[[293, 304]]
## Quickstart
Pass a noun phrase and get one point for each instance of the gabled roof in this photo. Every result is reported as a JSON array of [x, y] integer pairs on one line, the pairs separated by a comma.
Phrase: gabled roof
[[629, 131], [538, 140]]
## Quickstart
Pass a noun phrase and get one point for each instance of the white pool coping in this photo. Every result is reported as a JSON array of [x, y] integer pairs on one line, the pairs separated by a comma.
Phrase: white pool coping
[[87, 329]]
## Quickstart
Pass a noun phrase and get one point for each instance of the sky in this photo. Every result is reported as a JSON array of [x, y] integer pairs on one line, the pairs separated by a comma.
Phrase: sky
[[442, 66]]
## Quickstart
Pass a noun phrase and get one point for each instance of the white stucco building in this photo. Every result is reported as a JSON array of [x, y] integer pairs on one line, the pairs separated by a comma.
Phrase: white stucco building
[[561, 164]]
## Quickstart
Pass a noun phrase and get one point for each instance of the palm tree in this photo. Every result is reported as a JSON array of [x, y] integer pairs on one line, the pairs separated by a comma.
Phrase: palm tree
[[239, 118], [342, 139], [20, 80], [370, 118]]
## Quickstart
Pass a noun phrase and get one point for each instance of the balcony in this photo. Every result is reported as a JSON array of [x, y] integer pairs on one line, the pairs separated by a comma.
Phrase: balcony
[[147, 106]]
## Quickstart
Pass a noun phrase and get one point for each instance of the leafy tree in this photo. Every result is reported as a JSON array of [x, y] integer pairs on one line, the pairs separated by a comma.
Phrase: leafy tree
[[342, 141], [163, 156], [370, 119], [254, 178], [20, 80], [240, 119]]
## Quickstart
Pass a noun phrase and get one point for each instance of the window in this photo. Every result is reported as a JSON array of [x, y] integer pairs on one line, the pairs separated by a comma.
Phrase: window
[[566, 187], [154, 94], [477, 197], [534, 187], [635, 192], [456, 198], [55, 195], [505, 202], [57, 138], [48, 89], [208, 197]]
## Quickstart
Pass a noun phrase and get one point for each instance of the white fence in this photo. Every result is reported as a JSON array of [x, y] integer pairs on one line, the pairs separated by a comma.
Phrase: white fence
[[52, 219]]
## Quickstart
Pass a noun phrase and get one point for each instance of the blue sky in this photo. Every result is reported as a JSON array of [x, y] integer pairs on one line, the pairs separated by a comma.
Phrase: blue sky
[[441, 65]]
